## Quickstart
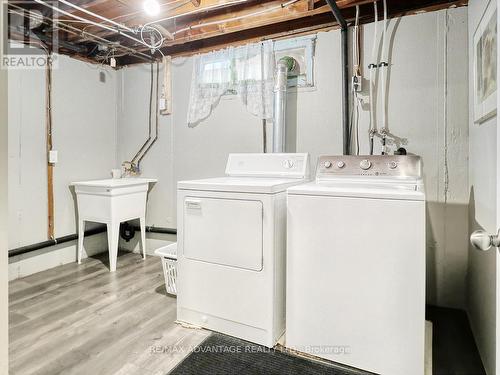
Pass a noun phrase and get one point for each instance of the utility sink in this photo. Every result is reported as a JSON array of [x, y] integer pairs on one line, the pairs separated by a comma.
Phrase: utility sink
[[112, 201]]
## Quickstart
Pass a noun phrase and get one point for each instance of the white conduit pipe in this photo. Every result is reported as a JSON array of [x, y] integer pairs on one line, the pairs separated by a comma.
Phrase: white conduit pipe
[[120, 25], [212, 7], [85, 34], [383, 78], [371, 67], [109, 28], [238, 18], [280, 94]]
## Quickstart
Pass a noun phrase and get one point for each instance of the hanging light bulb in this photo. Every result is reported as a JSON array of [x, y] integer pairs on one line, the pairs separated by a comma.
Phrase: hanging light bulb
[[151, 7]]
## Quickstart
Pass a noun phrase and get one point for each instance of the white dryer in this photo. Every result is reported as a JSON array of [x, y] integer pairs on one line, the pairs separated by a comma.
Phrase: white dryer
[[231, 237], [356, 264]]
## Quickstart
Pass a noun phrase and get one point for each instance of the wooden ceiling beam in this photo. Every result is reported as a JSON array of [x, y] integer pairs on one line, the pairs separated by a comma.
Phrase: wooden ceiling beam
[[210, 28], [298, 10], [136, 18], [320, 21]]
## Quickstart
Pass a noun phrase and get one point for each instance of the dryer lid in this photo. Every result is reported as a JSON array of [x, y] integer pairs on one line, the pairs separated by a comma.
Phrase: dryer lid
[[260, 185]]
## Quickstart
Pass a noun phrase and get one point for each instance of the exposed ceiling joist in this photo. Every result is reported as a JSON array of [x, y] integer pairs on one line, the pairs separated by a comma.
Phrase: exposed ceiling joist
[[199, 25]]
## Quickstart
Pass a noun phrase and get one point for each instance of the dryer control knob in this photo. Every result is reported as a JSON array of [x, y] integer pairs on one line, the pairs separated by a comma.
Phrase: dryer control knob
[[327, 164], [288, 164], [393, 165], [340, 164], [365, 164]]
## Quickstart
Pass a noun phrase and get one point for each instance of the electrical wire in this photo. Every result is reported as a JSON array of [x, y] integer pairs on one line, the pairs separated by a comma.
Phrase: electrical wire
[[154, 43], [354, 119]]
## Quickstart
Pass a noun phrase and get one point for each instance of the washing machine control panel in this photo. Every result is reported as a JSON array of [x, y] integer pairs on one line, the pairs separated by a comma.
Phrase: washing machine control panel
[[370, 165]]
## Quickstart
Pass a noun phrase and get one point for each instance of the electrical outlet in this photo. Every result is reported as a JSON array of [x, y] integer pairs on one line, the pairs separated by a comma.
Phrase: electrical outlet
[[357, 83], [163, 104]]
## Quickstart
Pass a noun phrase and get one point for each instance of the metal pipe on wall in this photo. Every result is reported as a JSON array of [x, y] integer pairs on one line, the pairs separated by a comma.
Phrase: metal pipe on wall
[[74, 237], [157, 111], [345, 74], [280, 93], [53, 242]]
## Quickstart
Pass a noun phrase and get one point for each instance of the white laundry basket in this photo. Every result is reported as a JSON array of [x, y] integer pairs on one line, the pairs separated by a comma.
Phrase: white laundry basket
[[168, 255]]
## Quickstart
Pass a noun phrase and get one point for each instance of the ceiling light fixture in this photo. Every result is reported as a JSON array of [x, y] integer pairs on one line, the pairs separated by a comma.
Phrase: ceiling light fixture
[[151, 7]]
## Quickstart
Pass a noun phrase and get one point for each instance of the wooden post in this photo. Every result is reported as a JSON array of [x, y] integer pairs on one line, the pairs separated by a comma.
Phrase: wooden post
[[50, 166]]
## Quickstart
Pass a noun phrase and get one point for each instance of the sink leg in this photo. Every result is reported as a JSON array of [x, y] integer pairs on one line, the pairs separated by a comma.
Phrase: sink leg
[[81, 234], [113, 236], [143, 236]]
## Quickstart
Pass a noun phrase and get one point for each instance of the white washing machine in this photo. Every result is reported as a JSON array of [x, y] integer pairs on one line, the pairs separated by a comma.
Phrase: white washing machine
[[231, 246], [356, 264]]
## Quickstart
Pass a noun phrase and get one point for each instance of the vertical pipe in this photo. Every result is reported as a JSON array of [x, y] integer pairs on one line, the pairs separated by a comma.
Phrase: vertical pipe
[[280, 91], [345, 74], [345, 92], [264, 136]]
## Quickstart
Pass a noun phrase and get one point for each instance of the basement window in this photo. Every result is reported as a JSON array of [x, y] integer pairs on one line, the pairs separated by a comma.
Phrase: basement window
[[227, 70], [248, 73]]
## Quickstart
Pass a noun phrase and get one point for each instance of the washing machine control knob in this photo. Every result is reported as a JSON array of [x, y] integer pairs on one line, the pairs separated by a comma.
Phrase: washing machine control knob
[[393, 165], [340, 164], [327, 164], [365, 164]]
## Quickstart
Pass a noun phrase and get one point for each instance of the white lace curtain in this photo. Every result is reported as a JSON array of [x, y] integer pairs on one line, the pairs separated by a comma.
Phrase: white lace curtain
[[245, 71]]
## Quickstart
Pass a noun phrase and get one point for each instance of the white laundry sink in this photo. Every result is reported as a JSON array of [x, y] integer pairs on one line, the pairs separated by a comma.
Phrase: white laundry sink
[[112, 201], [112, 185]]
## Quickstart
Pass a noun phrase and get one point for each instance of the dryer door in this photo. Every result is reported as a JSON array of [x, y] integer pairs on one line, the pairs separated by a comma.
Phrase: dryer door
[[224, 231]]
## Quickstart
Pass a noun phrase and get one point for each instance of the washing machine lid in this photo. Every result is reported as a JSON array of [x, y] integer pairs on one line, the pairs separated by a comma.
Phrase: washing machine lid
[[399, 191], [260, 185]]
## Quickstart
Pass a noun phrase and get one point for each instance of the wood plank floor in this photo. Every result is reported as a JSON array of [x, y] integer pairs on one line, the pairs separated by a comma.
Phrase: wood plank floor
[[82, 319]]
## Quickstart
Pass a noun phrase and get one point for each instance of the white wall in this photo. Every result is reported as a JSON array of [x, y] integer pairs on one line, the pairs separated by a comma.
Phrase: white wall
[[84, 134], [427, 105], [97, 126], [483, 203], [189, 153]]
